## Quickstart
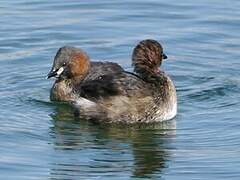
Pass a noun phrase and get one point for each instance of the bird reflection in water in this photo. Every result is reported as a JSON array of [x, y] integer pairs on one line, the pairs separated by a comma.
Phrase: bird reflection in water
[[91, 149]]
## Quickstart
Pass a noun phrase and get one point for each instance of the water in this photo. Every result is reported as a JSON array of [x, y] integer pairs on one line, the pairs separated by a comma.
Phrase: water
[[42, 140]]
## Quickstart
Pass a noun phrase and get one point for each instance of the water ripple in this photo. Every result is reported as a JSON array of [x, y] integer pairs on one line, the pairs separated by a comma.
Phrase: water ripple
[[43, 140]]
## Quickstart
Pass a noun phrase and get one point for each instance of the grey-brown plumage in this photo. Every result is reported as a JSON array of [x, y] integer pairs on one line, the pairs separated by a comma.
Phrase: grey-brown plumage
[[105, 92]]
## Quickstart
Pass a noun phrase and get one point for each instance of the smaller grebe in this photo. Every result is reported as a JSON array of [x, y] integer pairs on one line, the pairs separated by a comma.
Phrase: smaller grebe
[[105, 92]]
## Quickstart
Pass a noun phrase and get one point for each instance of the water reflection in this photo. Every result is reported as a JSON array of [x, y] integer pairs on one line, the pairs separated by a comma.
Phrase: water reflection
[[86, 148]]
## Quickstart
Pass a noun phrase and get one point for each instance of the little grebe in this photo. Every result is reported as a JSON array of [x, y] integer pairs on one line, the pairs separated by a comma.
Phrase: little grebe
[[104, 91]]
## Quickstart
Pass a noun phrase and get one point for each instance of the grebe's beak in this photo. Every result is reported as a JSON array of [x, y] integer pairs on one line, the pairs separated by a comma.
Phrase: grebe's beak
[[164, 56], [51, 74], [55, 73]]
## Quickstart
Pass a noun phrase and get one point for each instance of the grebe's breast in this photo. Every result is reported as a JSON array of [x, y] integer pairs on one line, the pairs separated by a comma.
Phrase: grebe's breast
[[166, 100]]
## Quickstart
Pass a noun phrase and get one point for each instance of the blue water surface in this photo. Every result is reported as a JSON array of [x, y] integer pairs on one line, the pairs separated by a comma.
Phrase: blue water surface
[[43, 140]]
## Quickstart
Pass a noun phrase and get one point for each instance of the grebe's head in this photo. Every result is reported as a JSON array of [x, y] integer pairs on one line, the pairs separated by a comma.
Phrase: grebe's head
[[69, 63], [147, 57]]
